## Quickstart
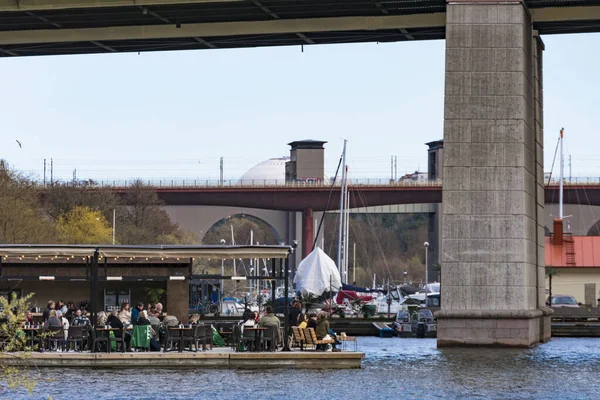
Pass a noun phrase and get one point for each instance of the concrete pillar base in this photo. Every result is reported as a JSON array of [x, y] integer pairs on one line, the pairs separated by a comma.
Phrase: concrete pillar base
[[490, 328]]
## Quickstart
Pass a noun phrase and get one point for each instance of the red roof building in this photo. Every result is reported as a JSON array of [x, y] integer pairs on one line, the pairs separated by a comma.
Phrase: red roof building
[[577, 263]]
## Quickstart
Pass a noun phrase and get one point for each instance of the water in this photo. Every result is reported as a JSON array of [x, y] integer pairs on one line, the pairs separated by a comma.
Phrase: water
[[565, 368]]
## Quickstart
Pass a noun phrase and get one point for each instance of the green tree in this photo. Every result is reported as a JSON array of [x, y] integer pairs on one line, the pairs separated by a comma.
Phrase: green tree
[[61, 198], [83, 225], [16, 374]]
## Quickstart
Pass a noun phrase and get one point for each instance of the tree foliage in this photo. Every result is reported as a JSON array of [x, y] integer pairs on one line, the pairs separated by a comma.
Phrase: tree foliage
[[31, 214], [21, 219], [12, 317], [82, 225], [386, 245], [144, 221]]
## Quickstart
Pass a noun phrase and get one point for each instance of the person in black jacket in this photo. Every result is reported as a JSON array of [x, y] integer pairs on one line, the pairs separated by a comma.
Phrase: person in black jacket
[[295, 310], [114, 322], [46, 313], [312, 321]]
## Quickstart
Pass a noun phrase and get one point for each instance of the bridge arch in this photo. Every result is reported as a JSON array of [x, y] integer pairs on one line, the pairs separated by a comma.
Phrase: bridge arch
[[263, 231], [200, 219]]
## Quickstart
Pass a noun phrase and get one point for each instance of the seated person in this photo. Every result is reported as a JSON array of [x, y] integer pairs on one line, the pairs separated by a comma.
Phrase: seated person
[[80, 319], [302, 321], [114, 322], [323, 330], [270, 319], [143, 318], [29, 318], [53, 321], [249, 322], [153, 317], [101, 318], [170, 320], [312, 321]]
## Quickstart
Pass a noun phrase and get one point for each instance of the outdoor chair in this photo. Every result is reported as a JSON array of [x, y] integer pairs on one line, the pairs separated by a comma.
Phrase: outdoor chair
[[118, 338], [206, 334], [141, 336], [236, 338], [298, 337], [74, 337], [270, 338], [55, 338], [248, 339], [173, 338], [98, 341], [189, 337]]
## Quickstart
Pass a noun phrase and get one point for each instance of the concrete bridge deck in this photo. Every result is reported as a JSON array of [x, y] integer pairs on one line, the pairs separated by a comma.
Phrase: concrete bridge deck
[[54, 27]]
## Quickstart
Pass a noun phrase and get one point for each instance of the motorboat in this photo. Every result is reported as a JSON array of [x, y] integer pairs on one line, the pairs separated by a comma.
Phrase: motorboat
[[415, 322]]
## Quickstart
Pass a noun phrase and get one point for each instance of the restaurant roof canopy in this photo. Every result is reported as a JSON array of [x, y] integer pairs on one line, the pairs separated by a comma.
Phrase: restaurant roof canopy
[[166, 251]]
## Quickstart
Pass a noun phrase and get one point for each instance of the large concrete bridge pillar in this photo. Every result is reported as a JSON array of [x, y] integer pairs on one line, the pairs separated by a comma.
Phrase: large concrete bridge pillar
[[492, 233]]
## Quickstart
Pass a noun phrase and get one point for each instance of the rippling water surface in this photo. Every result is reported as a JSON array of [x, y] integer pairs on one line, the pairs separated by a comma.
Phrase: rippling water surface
[[567, 368]]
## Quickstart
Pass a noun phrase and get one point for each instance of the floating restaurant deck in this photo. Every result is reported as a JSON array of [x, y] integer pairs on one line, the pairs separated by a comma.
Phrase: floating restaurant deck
[[216, 358]]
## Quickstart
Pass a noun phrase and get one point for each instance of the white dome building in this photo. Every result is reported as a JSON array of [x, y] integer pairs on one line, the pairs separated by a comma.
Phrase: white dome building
[[269, 172]]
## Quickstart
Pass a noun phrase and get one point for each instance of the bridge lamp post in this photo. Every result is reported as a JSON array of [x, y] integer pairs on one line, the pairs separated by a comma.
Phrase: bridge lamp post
[[426, 244]]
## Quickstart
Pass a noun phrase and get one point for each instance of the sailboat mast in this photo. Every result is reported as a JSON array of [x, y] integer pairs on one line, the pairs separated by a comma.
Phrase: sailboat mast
[[346, 229], [233, 243], [341, 230], [562, 173]]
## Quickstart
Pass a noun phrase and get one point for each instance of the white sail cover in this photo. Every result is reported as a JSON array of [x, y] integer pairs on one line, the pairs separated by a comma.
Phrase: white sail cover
[[316, 273]]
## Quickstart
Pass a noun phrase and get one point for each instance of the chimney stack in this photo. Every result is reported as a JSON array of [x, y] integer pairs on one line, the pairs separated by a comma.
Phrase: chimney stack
[[557, 237]]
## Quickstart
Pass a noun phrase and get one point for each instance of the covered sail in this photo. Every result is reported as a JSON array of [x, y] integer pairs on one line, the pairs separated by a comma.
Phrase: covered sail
[[317, 273]]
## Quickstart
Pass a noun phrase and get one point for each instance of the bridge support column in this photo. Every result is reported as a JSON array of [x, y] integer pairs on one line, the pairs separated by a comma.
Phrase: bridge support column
[[492, 219], [307, 231]]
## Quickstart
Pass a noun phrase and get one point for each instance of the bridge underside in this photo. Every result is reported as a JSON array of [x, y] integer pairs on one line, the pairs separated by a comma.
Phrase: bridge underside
[[55, 27]]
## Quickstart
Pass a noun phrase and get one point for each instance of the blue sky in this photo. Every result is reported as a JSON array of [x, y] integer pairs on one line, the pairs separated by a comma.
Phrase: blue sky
[[173, 114]]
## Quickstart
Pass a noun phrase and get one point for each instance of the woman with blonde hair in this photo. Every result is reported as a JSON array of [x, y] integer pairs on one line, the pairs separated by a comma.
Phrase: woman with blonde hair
[[101, 318]]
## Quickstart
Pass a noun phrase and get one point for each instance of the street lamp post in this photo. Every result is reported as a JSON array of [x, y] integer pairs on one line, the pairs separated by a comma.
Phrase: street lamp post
[[426, 244]]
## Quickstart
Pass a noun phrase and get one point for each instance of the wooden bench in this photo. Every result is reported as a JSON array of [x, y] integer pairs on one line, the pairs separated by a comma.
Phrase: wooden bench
[[298, 337], [311, 338]]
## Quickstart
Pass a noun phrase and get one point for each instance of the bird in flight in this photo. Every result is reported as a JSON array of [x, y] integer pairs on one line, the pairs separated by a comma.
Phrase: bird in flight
[[19, 143]]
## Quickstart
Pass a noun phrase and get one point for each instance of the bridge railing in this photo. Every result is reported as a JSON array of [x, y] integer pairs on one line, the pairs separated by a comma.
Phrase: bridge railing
[[238, 183]]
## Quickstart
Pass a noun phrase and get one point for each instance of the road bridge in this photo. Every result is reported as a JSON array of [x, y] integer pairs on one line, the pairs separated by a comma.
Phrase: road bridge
[[301, 197], [52, 27]]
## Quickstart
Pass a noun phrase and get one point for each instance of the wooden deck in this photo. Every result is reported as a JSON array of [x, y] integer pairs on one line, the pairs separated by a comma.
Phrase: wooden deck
[[217, 358]]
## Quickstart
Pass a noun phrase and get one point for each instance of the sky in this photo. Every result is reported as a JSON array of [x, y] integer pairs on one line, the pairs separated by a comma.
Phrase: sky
[[172, 115]]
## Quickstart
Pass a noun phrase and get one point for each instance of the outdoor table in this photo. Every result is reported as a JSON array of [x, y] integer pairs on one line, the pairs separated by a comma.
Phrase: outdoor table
[[347, 340], [257, 334], [30, 332], [181, 330]]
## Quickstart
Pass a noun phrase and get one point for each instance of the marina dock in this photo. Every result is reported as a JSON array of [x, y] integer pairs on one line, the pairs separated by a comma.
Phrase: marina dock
[[216, 358]]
